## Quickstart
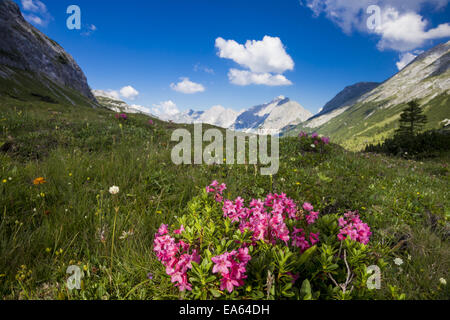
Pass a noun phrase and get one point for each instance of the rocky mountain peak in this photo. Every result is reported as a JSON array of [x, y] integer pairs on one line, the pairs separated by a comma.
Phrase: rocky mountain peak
[[24, 47]]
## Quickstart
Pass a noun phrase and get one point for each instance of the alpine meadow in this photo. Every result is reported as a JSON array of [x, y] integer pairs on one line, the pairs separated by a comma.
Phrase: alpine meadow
[[177, 168]]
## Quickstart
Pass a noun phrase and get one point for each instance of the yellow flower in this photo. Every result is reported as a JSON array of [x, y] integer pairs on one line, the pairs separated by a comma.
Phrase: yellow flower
[[4, 181], [364, 208], [42, 195], [48, 250], [85, 268], [298, 183], [159, 212], [39, 181], [70, 174]]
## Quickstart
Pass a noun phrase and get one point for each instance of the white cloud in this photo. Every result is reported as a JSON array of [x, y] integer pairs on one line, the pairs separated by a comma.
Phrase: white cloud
[[264, 60], [37, 12], [406, 58], [188, 87], [129, 92], [268, 55], [402, 27], [403, 32], [34, 6], [34, 19], [165, 108], [245, 78]]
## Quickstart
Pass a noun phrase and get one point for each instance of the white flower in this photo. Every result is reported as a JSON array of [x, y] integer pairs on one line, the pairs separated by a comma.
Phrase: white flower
[[313, 146], [443, 281], [114, 190], [398, 261]]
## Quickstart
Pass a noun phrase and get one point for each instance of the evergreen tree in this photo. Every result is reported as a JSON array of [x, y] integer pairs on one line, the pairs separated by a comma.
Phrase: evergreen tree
[[412, 120]]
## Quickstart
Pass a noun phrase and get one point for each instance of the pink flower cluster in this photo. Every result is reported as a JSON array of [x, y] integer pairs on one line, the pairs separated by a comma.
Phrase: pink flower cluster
[[264, 225], [232, 268], [299, 239], [354, 228], [175, 257], [266, 220], [217, 189], [315, 137], [122, 116], [312, 216]]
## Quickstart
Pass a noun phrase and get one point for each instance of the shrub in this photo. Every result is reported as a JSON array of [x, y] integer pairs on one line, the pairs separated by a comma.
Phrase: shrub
[[313, 143], [269, 249]]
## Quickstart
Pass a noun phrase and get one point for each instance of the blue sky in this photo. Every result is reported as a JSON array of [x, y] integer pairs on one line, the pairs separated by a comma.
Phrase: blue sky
[[150, 45]]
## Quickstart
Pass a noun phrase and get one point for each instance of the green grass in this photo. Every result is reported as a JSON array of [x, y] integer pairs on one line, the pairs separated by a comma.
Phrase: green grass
[[81, 152], [366, 123]]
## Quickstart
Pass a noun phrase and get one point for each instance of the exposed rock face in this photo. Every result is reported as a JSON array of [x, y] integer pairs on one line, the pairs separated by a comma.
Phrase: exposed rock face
[[348, 96], [24, 47], [271, 117]]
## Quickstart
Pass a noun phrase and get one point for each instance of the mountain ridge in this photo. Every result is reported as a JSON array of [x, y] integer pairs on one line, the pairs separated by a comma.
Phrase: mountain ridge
[[23, 47]]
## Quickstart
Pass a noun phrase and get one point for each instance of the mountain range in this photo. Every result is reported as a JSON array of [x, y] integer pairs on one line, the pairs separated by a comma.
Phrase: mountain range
[[361, 115], [34, 67]]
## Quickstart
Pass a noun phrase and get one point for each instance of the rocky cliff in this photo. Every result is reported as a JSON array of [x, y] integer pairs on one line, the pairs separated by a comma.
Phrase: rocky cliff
[[23, 47]]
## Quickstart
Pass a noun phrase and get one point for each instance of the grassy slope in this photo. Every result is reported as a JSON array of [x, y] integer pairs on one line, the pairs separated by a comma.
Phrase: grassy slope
[[83, 151], [354, 129], [22, 86]]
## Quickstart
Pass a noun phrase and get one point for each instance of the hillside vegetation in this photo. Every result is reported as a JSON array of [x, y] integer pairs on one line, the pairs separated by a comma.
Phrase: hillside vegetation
[[70, 218]]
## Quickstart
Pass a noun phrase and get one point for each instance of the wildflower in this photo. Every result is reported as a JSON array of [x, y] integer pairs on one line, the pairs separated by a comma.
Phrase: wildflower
[[179, 231], [313, 146], [308, 207], [150, 276], [150, 122], [315, 135], [4, 181], [303, 134], [326, 140], [48, 250], [39, 181], [398, 261], [114, 190], [126, 234], [312, 217], [353, 228], [443, 281], [232, 268]]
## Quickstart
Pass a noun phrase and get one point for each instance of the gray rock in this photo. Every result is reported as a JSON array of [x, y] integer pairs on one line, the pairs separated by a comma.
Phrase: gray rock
[[24, 47]]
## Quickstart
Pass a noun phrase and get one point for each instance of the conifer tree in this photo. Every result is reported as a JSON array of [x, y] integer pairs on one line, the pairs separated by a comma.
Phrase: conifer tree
[[412, 120]]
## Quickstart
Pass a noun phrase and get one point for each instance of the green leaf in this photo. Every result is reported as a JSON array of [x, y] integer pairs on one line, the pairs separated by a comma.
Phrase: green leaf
[[306, 255], [305, 291], [216, 293]]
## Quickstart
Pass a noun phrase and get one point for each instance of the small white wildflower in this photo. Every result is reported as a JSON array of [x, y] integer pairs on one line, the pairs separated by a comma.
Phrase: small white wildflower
[[114, 190], [10, 179], [126, 234], [398, 261], [313, 146], [443, 281]]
